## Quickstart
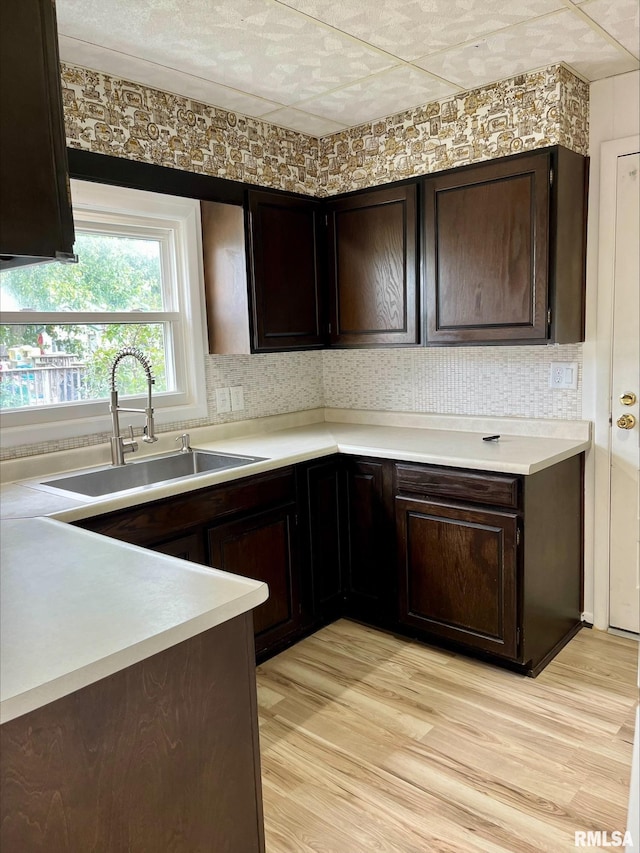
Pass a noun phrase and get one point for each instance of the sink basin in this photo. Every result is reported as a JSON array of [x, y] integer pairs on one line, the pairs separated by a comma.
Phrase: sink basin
[[146, 472]]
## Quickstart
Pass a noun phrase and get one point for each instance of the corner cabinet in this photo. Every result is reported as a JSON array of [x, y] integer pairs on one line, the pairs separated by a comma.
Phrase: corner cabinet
[[36, 222], [284, 239], [373, 268], [262, 274], [504, 250]]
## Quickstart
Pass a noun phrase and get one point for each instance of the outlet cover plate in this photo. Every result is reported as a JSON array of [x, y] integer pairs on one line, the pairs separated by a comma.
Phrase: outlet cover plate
[[563, 375], [223, 400]]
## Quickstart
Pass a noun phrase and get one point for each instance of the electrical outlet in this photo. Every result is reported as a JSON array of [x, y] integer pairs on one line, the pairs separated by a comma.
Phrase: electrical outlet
[[223, 400], [237, 398], [564, 375]]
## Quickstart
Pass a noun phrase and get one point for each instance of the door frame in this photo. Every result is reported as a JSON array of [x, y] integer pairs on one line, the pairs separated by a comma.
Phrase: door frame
[[609, 154]]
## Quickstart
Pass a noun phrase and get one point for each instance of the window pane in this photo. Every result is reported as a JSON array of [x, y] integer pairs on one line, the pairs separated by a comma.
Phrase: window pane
[[113, 273], [49, 365]]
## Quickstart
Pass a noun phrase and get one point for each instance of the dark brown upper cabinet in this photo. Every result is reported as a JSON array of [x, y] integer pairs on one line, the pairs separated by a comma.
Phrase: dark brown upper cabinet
[[373, 269], [279, 306], [284, 273], [36, 223], [504, 249]]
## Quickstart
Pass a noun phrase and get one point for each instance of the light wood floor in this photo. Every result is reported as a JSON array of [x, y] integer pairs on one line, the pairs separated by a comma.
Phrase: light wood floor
[[374, 743]]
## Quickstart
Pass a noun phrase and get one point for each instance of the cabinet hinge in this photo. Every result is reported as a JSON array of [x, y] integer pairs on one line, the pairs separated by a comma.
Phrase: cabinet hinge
[[549, 317], [329, 328], [518, 637], [326, 220], [517, 535], [551, 177]]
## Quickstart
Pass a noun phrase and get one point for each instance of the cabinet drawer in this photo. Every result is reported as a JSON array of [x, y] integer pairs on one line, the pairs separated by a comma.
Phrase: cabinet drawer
[[492, 489]]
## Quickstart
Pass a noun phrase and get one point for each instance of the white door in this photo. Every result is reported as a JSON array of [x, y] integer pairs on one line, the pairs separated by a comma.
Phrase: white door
[[624, 601]]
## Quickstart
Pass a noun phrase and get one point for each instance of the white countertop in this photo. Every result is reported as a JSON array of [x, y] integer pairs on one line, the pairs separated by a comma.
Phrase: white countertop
[[77, 607], [441, 442]]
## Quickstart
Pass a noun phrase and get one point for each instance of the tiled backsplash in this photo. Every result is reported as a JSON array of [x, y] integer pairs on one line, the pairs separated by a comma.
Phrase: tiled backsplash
[[491, 381]]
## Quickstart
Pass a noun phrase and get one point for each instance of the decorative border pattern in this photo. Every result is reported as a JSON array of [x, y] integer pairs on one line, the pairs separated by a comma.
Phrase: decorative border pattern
[[124, 119], [546, 107]]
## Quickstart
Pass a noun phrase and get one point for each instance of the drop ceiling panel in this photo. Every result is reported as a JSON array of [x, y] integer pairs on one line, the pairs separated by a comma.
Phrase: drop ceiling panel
[[316, 66], [412, 28], [255, 46], [391, 92], [619, 18], [559, 37], [160, 77]]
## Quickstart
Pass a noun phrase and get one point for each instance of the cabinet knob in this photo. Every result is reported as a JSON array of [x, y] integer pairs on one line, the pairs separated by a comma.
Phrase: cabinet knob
[[626, 422], [628, 399]]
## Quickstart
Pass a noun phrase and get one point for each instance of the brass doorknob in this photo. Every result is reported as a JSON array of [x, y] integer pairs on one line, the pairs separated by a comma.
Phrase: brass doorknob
[[628, 399], [626, 422]]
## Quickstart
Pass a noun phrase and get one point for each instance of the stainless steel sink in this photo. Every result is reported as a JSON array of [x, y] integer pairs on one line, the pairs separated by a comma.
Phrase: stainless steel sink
[[146, 472]]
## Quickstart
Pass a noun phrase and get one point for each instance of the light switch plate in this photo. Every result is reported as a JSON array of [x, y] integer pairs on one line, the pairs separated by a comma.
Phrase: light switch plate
[[564, 375], [223, 400], [237, 398]]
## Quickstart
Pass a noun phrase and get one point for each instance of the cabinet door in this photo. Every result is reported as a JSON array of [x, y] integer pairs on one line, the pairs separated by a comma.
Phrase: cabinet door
[[189, 547], [324, 501], [370, 580], [285, 281], [373, 274], [36, 221], [486, 244], [457, 573], [261, 547]]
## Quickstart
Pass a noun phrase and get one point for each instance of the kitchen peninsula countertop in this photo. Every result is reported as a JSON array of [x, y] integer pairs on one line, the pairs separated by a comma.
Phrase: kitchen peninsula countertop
[[77, 606]]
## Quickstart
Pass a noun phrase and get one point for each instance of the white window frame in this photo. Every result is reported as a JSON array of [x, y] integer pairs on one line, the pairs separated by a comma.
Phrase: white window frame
[[176, 221]]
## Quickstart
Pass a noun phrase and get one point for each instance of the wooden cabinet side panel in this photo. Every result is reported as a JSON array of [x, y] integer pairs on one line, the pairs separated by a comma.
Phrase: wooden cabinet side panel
[[568, 246], [159, 756], [553, 556], [225, 278]]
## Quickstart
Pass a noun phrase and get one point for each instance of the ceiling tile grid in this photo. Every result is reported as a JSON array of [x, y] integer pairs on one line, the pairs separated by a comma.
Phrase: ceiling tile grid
[[318, 65], [560, 37]]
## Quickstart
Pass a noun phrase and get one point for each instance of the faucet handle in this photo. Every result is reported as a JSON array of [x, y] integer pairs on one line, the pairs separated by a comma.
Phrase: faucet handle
[[185, 439]]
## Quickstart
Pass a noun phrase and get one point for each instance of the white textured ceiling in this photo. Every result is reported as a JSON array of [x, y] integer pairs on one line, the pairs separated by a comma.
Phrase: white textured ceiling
[[321, 65]]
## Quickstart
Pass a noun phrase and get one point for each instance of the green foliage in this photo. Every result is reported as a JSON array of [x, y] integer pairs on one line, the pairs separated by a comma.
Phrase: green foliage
[[113, 274]]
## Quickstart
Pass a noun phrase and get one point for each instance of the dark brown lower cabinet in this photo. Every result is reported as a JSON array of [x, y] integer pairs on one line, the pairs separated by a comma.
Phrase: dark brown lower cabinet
[[163, 755], [189, 547], [370, 582], [458, 573], [321, 490], [488, 561], [491, 562], [262, 547]]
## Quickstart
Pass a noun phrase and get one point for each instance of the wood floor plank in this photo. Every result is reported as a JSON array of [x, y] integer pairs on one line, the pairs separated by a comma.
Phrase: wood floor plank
[[371, 742]]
